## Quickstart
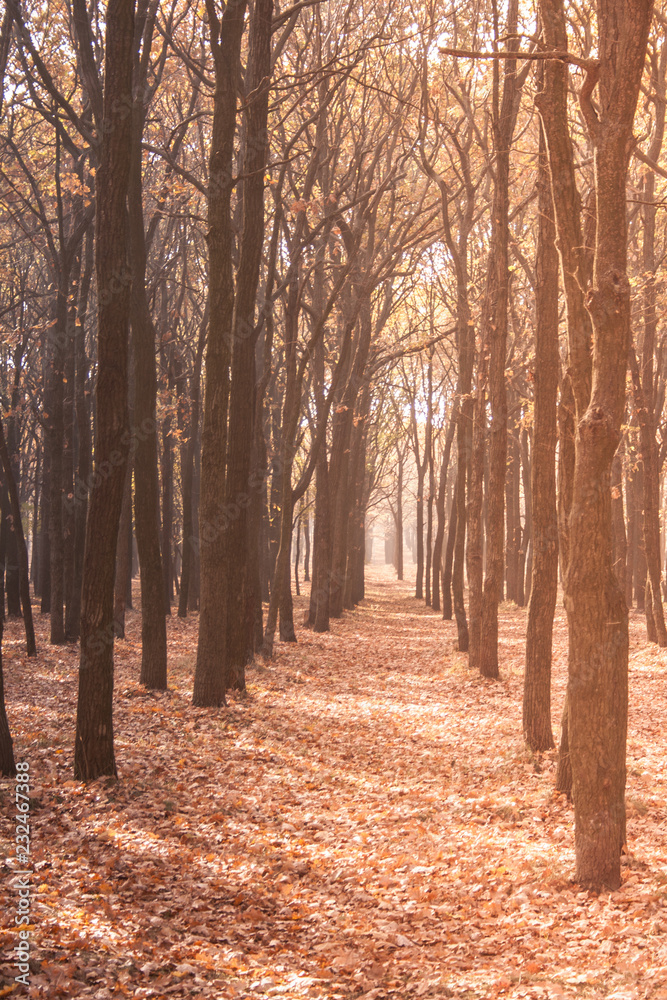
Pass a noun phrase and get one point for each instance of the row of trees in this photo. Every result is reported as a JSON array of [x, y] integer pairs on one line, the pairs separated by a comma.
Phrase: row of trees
[[254, 264]]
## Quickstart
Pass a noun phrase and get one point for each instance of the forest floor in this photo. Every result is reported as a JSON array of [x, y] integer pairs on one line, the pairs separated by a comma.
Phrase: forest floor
[[365, 822]]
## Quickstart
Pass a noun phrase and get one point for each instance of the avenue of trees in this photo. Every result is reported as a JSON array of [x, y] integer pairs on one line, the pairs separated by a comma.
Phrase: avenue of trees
[[267, 269]]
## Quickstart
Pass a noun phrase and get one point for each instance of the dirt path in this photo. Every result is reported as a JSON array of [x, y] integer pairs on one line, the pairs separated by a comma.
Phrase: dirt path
[[367, 822]]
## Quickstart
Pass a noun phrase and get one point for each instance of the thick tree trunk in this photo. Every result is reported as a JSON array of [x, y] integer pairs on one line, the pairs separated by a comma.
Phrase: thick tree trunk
[[94, 749], [209, 682], [596, 609], [240, 600]]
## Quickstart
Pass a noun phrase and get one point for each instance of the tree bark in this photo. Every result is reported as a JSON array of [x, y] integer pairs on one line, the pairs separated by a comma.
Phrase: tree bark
[[144, 439], [440, 512], [209, 682], [544, 581], [94, 749], [495, 334], [240, 601], [596, 609], [618, 518], [22, 552], [449, 559]]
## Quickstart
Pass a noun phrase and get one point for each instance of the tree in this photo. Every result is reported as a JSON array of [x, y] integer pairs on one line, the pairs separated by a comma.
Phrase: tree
[[94, 747], [225, 37], [544, 582], [596, 610], [22, 552]]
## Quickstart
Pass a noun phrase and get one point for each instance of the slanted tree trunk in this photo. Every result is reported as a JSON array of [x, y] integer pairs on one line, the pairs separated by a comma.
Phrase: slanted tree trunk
[[544, 581], [94, 748]]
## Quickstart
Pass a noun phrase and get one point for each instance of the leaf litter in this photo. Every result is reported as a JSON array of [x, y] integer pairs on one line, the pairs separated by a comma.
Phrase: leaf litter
[[365, 822]]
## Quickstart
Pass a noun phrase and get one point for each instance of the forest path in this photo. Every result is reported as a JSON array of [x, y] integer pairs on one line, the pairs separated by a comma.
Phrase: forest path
[[366, 822]]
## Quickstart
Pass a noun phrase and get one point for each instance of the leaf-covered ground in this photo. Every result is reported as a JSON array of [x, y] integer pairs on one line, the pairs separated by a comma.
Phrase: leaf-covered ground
[[366, 822]]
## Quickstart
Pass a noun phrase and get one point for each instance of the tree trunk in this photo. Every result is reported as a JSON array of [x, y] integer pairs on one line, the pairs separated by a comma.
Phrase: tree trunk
[[123, 558], [94, 749], [618, 518], [7, 762], [512, 515], [187, 480], [525, 549], [544, 582], [55, 441], [474, 549], [596, 609], [399, 519], [655, 620], [440, 512], [167, 463], [209, 682], [449, 559], [144, 437], [495, 333], [22, 552], [83, 433], [306, 549]]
